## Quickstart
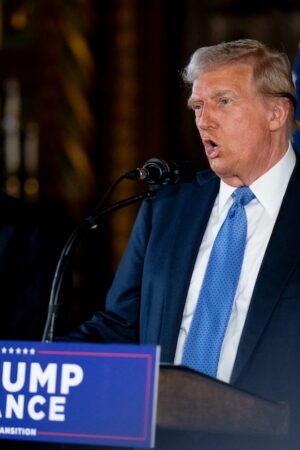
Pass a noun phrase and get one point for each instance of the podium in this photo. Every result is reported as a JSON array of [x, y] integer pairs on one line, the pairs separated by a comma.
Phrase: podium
[[200, 413], [104, 395]]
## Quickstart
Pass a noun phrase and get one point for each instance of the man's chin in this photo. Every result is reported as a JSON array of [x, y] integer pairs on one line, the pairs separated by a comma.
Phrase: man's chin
[[217, 167], [226, 175]]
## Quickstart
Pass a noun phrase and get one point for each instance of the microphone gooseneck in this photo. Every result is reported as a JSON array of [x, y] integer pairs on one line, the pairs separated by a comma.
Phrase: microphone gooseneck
[[154, 172], [90, 223]]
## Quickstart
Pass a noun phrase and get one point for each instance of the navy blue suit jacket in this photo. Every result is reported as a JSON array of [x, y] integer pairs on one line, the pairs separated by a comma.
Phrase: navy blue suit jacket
[[147, 298]]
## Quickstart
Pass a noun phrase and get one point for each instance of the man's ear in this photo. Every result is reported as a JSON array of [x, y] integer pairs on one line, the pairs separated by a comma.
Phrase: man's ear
[[279, 111]]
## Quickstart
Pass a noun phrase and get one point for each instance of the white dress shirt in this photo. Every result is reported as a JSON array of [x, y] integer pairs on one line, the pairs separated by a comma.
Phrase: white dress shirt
[[261, 213]]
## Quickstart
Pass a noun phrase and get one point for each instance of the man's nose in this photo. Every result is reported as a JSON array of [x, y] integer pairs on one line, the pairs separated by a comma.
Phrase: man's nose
[[206, 119]]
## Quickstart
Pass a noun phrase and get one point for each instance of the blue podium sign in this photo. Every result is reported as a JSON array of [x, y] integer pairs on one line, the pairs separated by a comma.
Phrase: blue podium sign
[[78, 393]]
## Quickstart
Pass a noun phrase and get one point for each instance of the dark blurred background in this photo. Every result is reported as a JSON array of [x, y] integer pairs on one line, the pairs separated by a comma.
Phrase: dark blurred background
[[91, 89]]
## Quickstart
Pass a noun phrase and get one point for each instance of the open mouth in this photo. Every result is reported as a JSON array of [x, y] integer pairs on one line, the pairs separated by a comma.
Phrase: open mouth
[[211, 148]]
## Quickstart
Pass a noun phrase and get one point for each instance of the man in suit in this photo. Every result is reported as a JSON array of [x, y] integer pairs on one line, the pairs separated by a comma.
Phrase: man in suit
[[244, 103]]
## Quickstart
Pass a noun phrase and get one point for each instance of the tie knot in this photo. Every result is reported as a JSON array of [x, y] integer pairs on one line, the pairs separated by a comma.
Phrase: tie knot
[[243, 195]]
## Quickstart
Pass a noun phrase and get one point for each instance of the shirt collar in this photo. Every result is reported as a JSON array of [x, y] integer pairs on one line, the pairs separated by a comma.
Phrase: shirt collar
[[268, 189]]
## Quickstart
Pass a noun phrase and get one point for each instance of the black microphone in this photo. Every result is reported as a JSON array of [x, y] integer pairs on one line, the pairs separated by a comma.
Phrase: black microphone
[[159, 171]]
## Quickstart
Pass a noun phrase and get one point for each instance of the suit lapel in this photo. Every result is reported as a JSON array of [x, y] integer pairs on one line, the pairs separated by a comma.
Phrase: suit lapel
[[190, 228], [282, 253]]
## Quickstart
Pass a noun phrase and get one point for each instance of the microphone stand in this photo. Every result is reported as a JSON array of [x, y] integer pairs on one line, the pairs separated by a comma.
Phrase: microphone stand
[[90, 223]]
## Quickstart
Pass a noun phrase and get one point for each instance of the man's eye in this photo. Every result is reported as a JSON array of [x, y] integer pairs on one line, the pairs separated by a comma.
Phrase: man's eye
[[198, 107], [225, 101]]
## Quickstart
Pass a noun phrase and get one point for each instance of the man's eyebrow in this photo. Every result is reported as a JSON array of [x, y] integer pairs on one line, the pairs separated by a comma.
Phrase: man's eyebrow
[[191, 101], [194, 99], [222, 92]]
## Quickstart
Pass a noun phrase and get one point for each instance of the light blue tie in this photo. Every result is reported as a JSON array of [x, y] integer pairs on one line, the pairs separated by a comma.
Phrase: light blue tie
[[204, 340]]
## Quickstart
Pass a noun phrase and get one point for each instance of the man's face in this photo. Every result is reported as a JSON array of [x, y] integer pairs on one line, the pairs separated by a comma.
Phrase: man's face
[[235, 124]]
